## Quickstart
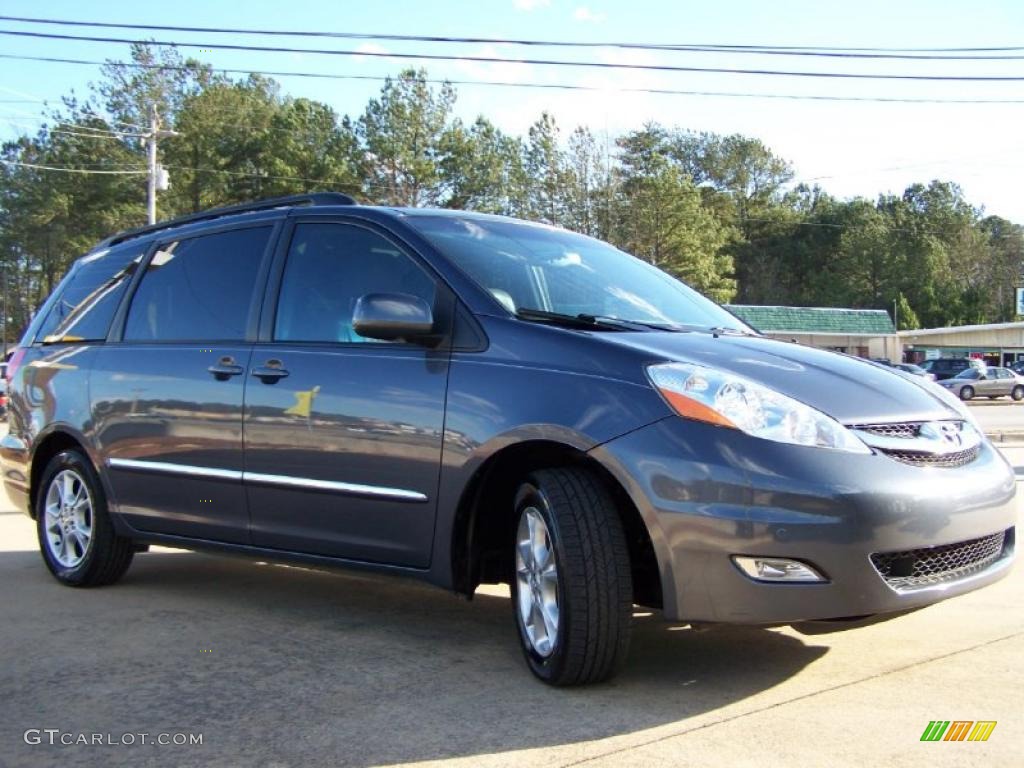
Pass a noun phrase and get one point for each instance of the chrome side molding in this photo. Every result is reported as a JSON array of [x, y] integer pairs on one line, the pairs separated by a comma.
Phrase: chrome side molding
[[354, 489], [285, 481], [169, 468]]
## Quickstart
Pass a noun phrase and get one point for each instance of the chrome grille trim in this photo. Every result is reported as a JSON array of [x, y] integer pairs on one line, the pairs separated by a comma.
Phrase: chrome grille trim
[[931, 566], [948, 443], [903, 430], [944, 460]]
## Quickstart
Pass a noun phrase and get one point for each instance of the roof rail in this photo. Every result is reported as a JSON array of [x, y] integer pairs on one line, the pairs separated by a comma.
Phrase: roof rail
[[311, 198]]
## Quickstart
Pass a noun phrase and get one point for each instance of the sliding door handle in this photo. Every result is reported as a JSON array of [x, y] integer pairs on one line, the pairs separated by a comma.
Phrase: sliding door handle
[[270, 372], [225, 368]]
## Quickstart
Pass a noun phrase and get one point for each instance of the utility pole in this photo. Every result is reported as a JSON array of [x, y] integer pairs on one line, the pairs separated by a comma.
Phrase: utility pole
[[5, 311], [157, 179]]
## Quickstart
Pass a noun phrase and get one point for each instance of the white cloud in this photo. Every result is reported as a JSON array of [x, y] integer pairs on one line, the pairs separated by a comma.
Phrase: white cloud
[[530, 5], [583, 13]]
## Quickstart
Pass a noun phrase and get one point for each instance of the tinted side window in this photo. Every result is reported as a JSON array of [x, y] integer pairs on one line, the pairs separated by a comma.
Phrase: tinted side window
[[198, 289], [329, 267], [85, 308]]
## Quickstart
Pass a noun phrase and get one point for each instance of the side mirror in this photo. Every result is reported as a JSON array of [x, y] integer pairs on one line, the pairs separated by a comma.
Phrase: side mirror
[[392, 316]]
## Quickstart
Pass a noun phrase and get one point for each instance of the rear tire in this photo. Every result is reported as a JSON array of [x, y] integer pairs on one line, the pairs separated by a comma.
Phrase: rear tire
[[1017, 393], [572, 590], [966, 393], [76, 537]]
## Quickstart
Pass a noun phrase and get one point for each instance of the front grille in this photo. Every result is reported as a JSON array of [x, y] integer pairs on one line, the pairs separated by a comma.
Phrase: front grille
[[923, 443], [917, 568], [902, 430], [919, 459]]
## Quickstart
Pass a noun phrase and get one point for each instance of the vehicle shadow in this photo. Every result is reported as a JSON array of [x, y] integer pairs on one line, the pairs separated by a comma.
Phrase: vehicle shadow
[[286, 664]]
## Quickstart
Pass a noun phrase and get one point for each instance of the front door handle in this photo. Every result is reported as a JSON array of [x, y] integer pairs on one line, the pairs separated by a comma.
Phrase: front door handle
[[225, 368], [270, 371]]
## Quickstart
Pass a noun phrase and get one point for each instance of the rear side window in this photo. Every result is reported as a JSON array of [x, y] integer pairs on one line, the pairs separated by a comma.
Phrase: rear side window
[[87, 305], [329, 267], [199, 289]]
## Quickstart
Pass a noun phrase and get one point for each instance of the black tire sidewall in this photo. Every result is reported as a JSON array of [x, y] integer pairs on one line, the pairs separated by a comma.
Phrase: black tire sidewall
[[74, 460], [546, 667], [966, 393], [1017, 393]]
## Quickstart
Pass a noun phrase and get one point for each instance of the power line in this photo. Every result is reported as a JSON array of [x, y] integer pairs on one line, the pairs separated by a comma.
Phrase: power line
[[604, 65], [506, 84], [980, 54], [63, 169]]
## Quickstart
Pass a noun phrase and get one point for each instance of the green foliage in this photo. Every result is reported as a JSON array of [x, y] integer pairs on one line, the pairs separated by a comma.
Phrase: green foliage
[[718, 211], [401, 132], [906, 318]]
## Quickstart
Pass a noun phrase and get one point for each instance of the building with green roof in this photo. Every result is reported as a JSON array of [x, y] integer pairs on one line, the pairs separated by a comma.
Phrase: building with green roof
[[864, 332]]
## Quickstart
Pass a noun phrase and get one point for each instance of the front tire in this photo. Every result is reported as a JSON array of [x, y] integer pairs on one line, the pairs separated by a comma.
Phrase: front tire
[[76, 537], [572, 591], [1018, 393], [966, 393]]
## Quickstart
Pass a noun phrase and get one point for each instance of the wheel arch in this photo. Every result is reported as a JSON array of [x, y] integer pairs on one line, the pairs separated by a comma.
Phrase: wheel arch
[[59, 437], [484, 519]]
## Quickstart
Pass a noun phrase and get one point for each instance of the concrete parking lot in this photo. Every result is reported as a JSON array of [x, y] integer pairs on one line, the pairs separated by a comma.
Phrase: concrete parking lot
[[282, 666]]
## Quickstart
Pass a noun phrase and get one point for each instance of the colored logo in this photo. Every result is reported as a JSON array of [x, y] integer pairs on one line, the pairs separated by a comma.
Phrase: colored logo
[[958, 730]]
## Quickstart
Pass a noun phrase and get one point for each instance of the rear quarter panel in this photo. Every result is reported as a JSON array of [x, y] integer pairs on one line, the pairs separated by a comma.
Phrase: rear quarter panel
[[49, 393]]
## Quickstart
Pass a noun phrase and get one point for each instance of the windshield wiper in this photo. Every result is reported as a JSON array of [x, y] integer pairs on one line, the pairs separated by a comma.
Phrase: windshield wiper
[[584, 321], [634, 324]]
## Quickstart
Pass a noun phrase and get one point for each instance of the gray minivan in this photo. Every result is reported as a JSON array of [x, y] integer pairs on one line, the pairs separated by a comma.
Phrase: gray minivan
[[473, 399]]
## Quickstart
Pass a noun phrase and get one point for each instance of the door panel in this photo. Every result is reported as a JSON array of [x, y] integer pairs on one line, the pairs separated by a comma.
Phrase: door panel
[[171, 437], [346, 417], [167, 391], [343, 434]]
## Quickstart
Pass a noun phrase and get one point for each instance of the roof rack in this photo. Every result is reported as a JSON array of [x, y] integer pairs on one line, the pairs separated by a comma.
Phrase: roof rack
[[311, 198]]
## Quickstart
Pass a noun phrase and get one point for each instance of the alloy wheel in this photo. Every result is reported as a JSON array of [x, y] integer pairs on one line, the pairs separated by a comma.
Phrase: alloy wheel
[[537, 582], [69, 518]]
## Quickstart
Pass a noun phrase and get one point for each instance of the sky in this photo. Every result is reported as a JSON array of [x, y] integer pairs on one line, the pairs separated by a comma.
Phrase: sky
[[850, 148]]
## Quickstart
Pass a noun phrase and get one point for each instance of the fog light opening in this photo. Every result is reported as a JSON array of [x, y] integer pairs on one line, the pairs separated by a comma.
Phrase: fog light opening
[[777, 569]]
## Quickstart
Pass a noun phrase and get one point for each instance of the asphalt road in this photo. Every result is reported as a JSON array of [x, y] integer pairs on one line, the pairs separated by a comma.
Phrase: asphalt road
[[1001, 415], [282, 666]]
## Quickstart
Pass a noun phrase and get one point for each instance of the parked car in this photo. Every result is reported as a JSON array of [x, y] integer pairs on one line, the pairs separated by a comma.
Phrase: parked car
[[1017, 367], [470, 399], [910, 368], [993, 382], [948, 367]]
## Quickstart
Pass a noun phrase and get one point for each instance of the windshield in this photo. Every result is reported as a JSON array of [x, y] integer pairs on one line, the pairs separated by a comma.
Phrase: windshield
[[534, 267], [969, 373]]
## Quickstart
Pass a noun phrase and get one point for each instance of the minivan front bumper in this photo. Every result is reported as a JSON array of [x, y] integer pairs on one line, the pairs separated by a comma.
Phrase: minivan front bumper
[[709, 493]]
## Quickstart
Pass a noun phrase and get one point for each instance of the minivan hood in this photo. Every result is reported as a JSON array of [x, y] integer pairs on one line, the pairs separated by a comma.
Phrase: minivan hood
[[851, 390]]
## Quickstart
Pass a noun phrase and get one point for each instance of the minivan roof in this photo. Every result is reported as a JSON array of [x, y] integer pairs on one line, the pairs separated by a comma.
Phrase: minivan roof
[[267, 204]]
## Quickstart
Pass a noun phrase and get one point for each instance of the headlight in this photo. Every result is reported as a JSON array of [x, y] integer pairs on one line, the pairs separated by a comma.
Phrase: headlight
[[728, 400]]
